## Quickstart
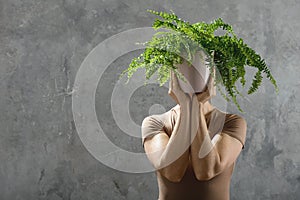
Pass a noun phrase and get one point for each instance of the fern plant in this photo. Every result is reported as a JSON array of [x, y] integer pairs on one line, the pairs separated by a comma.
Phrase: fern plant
[[229, 54]]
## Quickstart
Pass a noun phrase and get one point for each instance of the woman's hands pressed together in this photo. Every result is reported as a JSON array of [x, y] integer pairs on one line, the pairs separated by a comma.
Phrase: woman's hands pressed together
[[192, 106]]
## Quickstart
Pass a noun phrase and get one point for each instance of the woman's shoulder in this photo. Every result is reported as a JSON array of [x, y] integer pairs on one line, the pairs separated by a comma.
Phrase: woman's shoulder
[[229, 117], [164, 117], [235, 125]]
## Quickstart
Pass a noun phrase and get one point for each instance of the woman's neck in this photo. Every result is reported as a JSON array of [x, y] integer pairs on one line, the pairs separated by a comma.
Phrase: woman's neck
[[207, 107]]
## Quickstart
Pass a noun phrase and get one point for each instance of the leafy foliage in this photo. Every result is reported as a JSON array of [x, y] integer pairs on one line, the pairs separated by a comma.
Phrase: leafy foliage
[[226, 52]]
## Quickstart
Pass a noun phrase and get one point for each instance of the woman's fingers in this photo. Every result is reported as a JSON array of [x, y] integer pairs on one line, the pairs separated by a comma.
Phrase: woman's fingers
[[175, 83], [172, 86], [211, 87], [209, 91], [175, 90]]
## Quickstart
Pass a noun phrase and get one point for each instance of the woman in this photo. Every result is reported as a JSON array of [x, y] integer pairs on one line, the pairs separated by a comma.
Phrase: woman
[[193, 161]]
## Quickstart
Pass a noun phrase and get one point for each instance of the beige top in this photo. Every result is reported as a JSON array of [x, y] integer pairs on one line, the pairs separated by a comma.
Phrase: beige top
[[217, 188]]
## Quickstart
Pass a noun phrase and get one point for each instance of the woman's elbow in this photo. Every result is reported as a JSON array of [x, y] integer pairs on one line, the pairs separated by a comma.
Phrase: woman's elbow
[[204, 176], [175, 177], [207, 175]]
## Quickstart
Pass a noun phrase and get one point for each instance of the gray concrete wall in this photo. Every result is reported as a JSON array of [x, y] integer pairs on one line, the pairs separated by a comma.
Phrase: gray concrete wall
[[42, 45]]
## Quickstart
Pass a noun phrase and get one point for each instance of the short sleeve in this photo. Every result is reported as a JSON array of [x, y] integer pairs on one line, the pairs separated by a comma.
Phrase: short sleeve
[[151, 126], [236, 126]]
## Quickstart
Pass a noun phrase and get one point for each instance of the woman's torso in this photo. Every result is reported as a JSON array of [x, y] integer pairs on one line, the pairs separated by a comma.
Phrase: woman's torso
[[189, 187]]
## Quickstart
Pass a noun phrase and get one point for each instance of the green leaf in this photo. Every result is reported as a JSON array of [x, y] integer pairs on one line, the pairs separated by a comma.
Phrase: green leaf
[[231, 54]]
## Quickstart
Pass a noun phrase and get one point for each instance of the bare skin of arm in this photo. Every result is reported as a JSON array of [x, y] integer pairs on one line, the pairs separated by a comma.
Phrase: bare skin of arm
[[170, 156], [209, 159]]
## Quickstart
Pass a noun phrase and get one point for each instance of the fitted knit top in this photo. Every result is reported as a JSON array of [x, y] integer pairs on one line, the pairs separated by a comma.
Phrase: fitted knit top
[[190, 188]]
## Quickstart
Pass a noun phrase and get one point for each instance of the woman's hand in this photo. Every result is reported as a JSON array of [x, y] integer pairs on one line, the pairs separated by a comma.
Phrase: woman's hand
[[209, 91], [176, 92]]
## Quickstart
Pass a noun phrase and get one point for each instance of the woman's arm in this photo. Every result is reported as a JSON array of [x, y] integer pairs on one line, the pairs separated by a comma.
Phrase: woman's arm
[[208, 159], [170, 156]]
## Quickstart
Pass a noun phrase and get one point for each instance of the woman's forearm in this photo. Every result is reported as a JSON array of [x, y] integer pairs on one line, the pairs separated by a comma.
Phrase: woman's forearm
[[175, 157], [205, 158]]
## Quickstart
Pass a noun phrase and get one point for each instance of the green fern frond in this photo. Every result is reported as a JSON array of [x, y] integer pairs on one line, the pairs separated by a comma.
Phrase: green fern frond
[[230, 56]]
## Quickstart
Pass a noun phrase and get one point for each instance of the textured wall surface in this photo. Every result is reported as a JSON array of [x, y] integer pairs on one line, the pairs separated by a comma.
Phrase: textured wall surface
[[42, 45]]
